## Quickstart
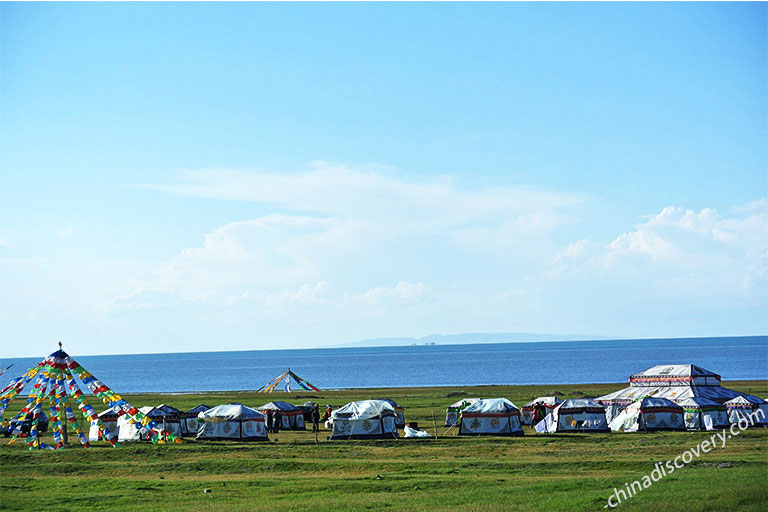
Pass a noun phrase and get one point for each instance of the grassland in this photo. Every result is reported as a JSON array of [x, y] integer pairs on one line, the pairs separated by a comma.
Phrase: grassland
[[556, 472]]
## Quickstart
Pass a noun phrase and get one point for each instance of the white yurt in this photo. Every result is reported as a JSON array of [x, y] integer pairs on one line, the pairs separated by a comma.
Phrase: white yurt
[[364, 420], [672, 381], [549, 403], [108, 419], [575, 415], [233, 422], [492, 416], [189, 419], [649, 414], [748, 408], [703, 414], [399, 412], [454, 410], [292, 417], [130, 431]]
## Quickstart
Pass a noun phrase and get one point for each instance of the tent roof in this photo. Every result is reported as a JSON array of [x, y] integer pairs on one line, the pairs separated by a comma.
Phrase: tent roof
[[279, 405], [364, 409], [232, 411], [632, 393], [745, 400], [390, 402], [490, 406], [200, 408], [671, 372], [579, 403], [649, 402], [697, 401], [167, 409], [463, 401], [546, 400]]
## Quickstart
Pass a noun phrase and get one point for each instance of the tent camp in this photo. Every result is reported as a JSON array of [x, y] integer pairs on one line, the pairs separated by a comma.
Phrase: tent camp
[[234, 422], [189, 419], [575, 415], [292, 416], [399, 412], [549, 403], [649, 414], [169, 418], [673, 381], [703, 414], [453, 410], [364, 420], [746, 407], [493, 416], [108, 419]]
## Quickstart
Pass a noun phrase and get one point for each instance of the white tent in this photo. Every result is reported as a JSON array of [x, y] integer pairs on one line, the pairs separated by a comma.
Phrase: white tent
[[575, 415], [189, 424], [292, 417], [364, 419], [108, 419], [549, 402], [742, 407], [167, 418], [399, 412], [648, 414], [127, 430], [672, 381], [703, 414], [453, 410], [493, 416], [232, 422]]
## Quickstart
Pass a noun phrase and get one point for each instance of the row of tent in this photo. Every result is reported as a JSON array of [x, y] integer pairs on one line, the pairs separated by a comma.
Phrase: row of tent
[[224, 421], [676, 397], [364, 419], [667, 397]]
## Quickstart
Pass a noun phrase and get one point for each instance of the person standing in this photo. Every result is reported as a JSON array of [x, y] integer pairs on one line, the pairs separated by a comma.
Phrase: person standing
[[278, 422], [269, 421], [315, 418]]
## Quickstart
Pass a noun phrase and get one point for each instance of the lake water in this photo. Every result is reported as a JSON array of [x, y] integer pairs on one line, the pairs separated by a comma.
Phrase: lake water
[[568, 362]]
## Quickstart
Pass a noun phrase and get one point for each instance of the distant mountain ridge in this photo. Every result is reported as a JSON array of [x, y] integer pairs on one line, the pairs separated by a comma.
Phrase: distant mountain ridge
[[469, 338]]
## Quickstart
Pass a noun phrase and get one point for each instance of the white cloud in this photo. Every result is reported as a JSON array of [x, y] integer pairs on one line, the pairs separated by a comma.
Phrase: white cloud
[[681, 250], [402, 294], [351, 219]]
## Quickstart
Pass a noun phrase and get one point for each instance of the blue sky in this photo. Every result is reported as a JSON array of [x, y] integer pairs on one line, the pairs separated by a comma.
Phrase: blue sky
[[230, 176]]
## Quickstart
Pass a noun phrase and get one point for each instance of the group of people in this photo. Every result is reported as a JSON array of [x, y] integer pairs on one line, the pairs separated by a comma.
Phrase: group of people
[[275, 419]]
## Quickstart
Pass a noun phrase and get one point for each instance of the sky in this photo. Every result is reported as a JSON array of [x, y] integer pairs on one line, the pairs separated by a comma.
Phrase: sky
[[229, 176]]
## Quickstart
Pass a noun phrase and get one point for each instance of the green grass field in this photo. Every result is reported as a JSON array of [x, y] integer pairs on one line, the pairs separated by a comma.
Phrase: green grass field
[[557, 472]]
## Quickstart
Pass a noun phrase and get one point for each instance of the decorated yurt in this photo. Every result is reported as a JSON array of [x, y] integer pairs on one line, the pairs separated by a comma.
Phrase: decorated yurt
[[672, 381], [108, 419], [189, 419], [491, 416], [649, 414], [575, 415], [233, 422], [549, 403], [454, 410], [748, 408], [703, 414], [169, 419], [364, 420], [399, 412], [292, 417]]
